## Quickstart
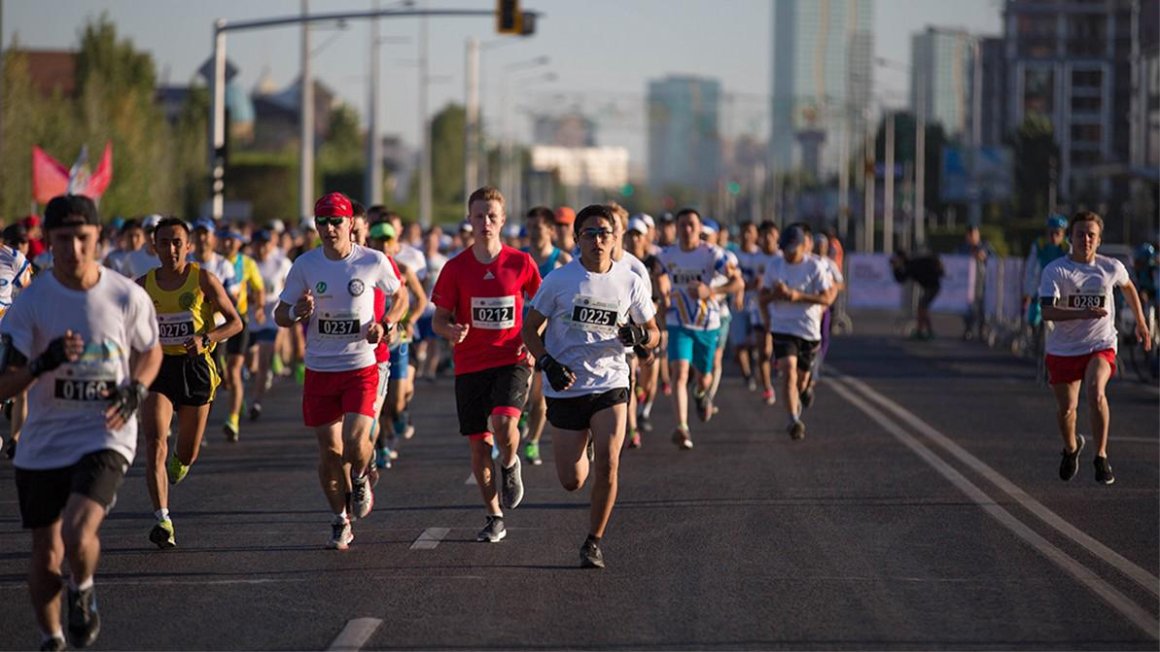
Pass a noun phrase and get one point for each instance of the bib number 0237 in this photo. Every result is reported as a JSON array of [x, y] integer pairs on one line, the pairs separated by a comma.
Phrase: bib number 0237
[[338, 327]]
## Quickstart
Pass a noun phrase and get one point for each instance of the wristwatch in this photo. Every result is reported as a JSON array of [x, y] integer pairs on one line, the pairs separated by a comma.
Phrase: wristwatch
[[205, 341]]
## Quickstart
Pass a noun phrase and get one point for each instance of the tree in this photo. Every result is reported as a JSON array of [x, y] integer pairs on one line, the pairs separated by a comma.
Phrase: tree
[[447, 157], [1035, 155]]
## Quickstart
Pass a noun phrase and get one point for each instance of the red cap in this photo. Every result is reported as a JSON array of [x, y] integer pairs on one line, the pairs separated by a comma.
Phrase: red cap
[[334, 204], [31, 221], [565, 215]]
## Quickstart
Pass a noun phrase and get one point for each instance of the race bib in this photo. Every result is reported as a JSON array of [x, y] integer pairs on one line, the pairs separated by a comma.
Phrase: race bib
[[682, 277], [1085, 301], [174, 327], [594, 315], [341, 326], [493, 313], [83, 386]]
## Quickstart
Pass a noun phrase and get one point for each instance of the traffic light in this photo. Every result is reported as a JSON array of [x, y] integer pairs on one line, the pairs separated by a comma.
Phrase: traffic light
[[627, 190], [734, 188], [508, 17]]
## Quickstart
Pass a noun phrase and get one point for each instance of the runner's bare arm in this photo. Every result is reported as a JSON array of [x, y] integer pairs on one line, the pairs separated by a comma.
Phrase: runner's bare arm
[[216, 293], [444, 326], [532, 333], [1054, 312]]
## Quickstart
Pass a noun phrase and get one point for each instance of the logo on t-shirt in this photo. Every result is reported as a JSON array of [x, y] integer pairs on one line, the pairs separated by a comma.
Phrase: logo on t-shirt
[[185, 300], [355, 287], [320, 287], [488, 276]]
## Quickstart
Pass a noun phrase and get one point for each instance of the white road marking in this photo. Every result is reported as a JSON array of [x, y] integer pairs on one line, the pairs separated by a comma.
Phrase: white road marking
[[355, 635], [430, 538], [1135, 440], [1137, 615], [1136, 573]]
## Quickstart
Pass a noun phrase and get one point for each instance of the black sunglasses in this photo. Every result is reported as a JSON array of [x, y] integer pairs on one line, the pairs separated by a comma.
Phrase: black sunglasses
[[333, 221]]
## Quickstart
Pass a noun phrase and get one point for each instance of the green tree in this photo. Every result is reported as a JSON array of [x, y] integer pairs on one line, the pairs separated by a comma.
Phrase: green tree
[[447, 158]]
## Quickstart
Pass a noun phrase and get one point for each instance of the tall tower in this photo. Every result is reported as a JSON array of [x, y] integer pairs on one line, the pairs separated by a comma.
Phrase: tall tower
[[684, 136]]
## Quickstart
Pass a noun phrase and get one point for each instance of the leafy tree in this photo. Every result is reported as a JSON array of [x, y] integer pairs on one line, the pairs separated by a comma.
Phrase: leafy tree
[[447, 157]]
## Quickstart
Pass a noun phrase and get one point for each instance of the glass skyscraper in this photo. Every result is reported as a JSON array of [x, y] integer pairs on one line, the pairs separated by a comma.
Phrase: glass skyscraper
[[684, 138]]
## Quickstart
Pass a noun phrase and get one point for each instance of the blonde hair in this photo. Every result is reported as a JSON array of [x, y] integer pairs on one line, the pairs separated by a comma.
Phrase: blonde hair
[[486, 193], [619, 213]]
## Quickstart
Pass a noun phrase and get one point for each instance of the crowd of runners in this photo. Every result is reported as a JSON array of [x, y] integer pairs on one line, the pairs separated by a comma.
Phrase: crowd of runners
[[578, 320]]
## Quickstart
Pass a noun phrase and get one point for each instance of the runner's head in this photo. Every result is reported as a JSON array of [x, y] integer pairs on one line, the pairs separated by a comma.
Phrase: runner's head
[[564, 219], [595, 231], [688, 228], [667, 231], [793, 243], [538, 223], [358, 223], [767, 236], [132, 235], [262, 244], [710, 230], [333, 214], [16, 236], [73, 228], [1086, 229], [231, 240], [636, 236], [747, 232], [171, 241], [384, 238], [203, 237], [1056, 228], [485, 211]]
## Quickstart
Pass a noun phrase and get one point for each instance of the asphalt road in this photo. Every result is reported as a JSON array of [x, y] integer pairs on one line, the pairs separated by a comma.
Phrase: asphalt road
[[922, 511]]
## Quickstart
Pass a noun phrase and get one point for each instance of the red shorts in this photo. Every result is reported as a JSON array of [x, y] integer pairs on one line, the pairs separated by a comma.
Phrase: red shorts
[[1070, 368], [327, 395]]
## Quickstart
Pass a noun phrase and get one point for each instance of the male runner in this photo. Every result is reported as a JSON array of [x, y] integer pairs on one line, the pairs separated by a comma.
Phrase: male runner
[[587, 306], [273, 268], [1076, 293], [331, 288], [185, 298], [637, 243], [83, 341], [251, 291], [479, 300], [767, 236], [15, 275]]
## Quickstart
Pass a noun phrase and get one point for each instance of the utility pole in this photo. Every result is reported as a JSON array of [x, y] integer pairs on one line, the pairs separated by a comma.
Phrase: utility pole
[[871, 182], [888, 188], [844, 175], [425, 140], [306, 155], [975, 216], [471, 121], [218, 122], [373, 191], [920, 157]]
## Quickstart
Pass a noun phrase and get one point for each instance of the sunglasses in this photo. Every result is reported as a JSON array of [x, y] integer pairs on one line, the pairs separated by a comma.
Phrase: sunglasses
[[332, 221], [596, 234]]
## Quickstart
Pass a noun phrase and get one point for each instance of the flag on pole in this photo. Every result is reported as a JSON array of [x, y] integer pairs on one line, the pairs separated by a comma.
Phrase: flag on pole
[[50, 177]]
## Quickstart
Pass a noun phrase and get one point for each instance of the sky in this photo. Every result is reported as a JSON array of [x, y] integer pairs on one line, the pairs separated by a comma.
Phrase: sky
[[601, 52]]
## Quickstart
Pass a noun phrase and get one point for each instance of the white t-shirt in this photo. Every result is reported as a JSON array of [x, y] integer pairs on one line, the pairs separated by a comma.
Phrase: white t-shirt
[[831, 265], [723, 300], [273, 271], [66, 406], [222, 269], [703, 263], [585, 311], [1080, 285], [796, 318], [13, 274], [135, 264], [344, 304], [435, 263], [413, 258]]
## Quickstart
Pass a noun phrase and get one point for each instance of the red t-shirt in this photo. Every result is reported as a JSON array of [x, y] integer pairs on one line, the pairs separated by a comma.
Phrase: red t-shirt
[[489, 298], [383, 350]]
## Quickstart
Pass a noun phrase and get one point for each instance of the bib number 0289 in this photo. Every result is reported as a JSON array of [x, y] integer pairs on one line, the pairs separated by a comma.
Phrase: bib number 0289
[[1083, 301]]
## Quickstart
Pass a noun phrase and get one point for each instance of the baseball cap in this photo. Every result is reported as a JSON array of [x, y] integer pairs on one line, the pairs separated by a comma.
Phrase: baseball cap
[[333, 204], [710, 226], [150, 222], [791, 238], [1057, 221], [382, 231], [277, 226], [511, 231], [565, 215], [227, 233], [204, 223], [646, 218], [637, 224], [66, 210], [261, 235], [667, 218], [465, 226]]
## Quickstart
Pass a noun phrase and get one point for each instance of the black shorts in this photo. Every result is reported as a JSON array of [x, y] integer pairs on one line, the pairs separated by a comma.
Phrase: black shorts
[[43, 493], [926, 297], [787, 345], [238, 344], [185, 380], [477, 394], [576, 413]]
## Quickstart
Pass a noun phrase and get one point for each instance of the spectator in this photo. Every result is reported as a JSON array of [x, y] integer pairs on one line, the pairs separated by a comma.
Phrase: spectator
[[926, 271], [980, 250]]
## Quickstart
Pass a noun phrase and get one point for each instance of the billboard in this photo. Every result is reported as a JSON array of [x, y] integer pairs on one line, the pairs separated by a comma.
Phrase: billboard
[[996, 174]]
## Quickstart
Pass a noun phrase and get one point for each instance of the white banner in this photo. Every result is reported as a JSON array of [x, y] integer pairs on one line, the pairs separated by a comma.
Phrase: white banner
[[870, 283], [958, 286]]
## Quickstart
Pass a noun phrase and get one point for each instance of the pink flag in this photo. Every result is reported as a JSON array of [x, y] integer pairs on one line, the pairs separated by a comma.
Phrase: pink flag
[[49, 177], [99, 180]]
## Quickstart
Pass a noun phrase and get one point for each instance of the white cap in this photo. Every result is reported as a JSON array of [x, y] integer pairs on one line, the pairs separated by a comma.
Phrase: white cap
[[637, 223], [150, 222], [511, 231], [465, 226], [309, 225], [277, 226], [646, 218]]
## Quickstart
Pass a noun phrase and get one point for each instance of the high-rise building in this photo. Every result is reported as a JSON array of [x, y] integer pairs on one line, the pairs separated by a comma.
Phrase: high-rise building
[[684, 136], [941, 63], [992, 101], [1071, 63], [566, 130], [823, 55]]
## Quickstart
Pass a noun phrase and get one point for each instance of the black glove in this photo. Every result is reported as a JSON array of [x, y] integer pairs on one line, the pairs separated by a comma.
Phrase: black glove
[[127, 398], [632, 334], [560, 377], [643, 354], [53, 357]]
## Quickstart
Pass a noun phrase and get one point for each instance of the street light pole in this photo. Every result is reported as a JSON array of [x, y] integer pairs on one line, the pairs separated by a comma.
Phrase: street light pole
[[871, 182], [373, 188], [471, 121], [306, 155], [888, 188], [425, 152], [920, 157], [218, 121]]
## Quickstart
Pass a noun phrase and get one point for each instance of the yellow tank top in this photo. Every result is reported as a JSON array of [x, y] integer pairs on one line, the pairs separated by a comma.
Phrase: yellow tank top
[[181, 313]]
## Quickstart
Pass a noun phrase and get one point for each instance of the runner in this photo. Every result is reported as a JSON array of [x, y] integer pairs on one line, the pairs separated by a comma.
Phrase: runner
[[15, 274], [821, 251], [1076, 294], [185, 298], [538, 223], [250, 292], [742, 332], [1046, 248], [693, 320], [593, 308], [327, 287], [564, 219], [796, 289], [479, 302], [711, 232], [273, 269], [927, 272], [86, 369], [430, 348], [637, 243], [767, 236]]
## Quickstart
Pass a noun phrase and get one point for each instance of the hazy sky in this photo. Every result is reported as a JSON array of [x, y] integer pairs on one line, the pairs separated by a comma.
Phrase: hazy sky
[[603, 52]]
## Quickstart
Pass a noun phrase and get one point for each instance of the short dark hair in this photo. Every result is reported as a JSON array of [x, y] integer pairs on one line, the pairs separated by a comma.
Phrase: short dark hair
[[689, 211], [357, 209], [766, 226], [592, 210], [376, 212], [172, 221], [1085, 216], [129, 225], [542, 213], [63, 210]]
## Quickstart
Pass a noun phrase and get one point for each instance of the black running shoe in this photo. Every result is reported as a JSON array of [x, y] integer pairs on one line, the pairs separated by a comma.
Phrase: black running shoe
[[84, 623], [1069, 465], [807, 397], [1103, 471], [53, 644], [493, 531], [797, 430], [512, 490], [704, 406], [590, 555]]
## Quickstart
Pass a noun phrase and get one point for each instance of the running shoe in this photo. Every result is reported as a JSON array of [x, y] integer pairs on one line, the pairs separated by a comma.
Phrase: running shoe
[[255, 411], [1103, 470], [277, 366], [1069, 465], [644, 422], [175, 469], [666, 389], [340, 534], [682, 439], [84, 623], [532, 453], [751, 384], [512, 489], [590, 555], [383, 457], [53, 644], [704, 406], [10, 448], [300, 373], [523, 426], [362, 497], [162, 535], [769, 397], [634, 438], [493, 531], [797, 430], [231, 428], [807, 397]]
